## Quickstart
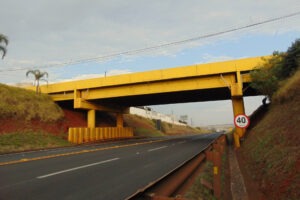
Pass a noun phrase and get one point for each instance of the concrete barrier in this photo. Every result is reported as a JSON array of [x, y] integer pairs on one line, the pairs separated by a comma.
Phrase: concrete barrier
[[82, 135]]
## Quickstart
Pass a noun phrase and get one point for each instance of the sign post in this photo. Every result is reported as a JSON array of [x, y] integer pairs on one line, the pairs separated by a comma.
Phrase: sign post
[[241, 121]]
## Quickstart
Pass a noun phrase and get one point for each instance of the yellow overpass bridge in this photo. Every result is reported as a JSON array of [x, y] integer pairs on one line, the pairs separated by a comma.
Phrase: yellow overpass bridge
[[195, 83]]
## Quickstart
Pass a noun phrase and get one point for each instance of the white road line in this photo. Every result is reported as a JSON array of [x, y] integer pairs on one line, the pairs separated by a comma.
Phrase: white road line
[[157, 148], [181, 142], [76, 168]]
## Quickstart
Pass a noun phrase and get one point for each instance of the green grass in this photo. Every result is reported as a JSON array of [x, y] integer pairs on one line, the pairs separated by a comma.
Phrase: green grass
[[21, 141], [272, 147], [289, 89], [23, 104], [199, 191], [146, 132]]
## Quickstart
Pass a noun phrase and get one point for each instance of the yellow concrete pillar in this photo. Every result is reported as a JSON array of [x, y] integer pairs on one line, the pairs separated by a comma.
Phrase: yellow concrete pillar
[[91, 119], [120, 120], [238, 108]]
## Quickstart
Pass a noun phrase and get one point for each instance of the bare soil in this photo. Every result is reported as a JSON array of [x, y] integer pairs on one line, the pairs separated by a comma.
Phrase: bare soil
[[71, 119]]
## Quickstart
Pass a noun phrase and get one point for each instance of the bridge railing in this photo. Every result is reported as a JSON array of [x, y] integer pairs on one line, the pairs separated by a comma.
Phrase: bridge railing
[[81, 135]]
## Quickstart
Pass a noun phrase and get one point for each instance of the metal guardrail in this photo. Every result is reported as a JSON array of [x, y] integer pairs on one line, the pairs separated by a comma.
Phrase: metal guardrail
[[167, 185]]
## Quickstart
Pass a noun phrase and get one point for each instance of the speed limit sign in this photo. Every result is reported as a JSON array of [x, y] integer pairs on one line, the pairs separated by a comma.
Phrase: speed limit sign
[[241, 121]]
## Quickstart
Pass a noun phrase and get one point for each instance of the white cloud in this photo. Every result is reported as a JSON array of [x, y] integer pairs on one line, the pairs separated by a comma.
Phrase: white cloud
[[47, 31], [91, 76], [207, 58]]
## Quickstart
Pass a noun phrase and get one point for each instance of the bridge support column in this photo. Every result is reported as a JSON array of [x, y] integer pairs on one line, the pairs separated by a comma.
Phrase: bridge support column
[[120, 120], [91, 119], [238, 108]]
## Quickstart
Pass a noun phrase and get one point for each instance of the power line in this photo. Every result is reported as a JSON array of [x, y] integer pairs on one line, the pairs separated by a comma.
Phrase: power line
[[141, 50]]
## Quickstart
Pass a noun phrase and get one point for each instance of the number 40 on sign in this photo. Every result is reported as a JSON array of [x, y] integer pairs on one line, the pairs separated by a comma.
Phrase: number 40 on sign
[[241, 121]]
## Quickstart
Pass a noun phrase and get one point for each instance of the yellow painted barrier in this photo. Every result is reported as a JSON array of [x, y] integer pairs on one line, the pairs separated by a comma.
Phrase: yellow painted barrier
[[96, 134], [70, 135], [104, 134], [82, 135], [101, 132], [75, 136], [93, 134]]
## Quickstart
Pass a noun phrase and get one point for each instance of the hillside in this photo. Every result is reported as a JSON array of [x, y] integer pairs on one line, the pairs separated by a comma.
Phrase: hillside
[[29, 121], [270, 155], [147, 128], [22, 104]]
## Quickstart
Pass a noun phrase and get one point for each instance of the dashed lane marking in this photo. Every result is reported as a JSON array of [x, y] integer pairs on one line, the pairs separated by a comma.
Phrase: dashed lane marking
[[158, 148], [76, 168]]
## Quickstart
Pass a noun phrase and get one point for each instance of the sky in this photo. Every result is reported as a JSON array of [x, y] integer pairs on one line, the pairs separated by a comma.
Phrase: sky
[[76, 39]]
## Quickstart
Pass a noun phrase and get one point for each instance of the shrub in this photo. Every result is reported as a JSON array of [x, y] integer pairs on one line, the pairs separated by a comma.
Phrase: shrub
[[266, 79]]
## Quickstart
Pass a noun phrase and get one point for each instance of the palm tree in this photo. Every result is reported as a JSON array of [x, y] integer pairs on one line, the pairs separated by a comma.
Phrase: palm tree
[[38, 75], [3, 39]]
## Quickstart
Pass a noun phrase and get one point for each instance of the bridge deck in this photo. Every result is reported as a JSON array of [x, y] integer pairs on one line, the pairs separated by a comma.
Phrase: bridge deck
[[201, 82]]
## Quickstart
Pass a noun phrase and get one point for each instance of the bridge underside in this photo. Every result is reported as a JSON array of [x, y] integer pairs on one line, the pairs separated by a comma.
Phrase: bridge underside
[[174, 97], [203, 95]]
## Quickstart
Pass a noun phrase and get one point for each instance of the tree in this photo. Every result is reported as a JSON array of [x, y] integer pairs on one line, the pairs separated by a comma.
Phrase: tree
[[292, 60], [264, 78], [38, 75], [268, 77], [3, 39]]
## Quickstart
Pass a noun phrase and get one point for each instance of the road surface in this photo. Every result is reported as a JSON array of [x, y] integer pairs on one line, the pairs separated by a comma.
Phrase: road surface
[[113, 170]]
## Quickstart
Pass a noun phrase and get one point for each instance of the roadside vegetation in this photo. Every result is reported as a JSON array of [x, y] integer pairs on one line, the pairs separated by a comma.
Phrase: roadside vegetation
[[271, 150], [271, 76], [28, 140], [148, 128], [3, 44], [38, 76], [199, 189], [18, 103], [30, 120]]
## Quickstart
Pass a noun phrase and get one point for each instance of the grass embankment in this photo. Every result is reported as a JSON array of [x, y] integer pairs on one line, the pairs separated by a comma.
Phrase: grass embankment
[[147, 127], [272, 148], [18, 103], [22, 141], [24, 117], [31, 121]]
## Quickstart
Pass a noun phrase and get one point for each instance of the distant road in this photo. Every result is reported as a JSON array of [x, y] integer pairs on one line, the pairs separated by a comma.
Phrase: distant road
[[110, 171]]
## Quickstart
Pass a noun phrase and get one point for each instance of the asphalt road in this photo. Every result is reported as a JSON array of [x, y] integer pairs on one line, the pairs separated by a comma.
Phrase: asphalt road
[[113, 170]]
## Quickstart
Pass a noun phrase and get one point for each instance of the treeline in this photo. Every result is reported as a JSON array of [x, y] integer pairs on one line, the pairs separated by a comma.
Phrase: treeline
[[268, 78]]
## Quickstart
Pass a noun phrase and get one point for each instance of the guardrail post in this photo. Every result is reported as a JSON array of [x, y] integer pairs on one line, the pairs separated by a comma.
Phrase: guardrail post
[[217, 174]]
